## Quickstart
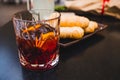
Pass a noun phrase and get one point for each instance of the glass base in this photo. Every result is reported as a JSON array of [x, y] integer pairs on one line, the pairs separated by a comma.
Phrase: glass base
[[47, 66]]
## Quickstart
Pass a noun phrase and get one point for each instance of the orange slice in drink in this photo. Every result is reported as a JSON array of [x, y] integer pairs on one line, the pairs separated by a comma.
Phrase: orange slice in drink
[[50, 42], [32, 28], [44, 38], [47, 35]]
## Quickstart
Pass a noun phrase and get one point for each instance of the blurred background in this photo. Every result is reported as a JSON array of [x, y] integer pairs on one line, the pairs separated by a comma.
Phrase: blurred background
[[9, 7], [111, 7]]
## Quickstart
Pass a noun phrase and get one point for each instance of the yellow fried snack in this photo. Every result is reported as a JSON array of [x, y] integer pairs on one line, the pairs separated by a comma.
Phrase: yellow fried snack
[[71, 32], [91, 27], [73, 20]]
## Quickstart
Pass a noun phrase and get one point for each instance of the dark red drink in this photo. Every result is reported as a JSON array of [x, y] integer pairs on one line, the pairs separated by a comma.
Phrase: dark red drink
[[38, 47]]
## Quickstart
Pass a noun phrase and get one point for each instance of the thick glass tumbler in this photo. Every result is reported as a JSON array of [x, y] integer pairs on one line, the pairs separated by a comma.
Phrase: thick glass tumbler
[[37, 39]]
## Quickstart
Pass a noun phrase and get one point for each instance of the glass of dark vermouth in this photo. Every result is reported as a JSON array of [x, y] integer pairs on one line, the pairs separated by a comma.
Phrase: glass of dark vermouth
[[37, 38]]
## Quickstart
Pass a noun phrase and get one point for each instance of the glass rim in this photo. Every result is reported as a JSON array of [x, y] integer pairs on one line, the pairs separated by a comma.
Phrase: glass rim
[[23, 20]]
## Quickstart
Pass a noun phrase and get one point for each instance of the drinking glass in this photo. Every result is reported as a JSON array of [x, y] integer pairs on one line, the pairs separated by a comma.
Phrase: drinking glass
[[37, 37]]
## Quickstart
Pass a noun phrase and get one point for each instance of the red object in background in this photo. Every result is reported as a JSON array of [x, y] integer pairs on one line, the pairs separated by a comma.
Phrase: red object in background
[[103, 6]]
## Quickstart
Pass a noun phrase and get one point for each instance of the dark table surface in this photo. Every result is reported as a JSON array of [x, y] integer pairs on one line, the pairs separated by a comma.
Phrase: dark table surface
[[95, 58]]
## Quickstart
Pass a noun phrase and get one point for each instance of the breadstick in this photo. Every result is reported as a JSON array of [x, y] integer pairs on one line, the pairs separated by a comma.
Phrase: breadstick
[[71, 32], [91, 27], [73, 20]]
